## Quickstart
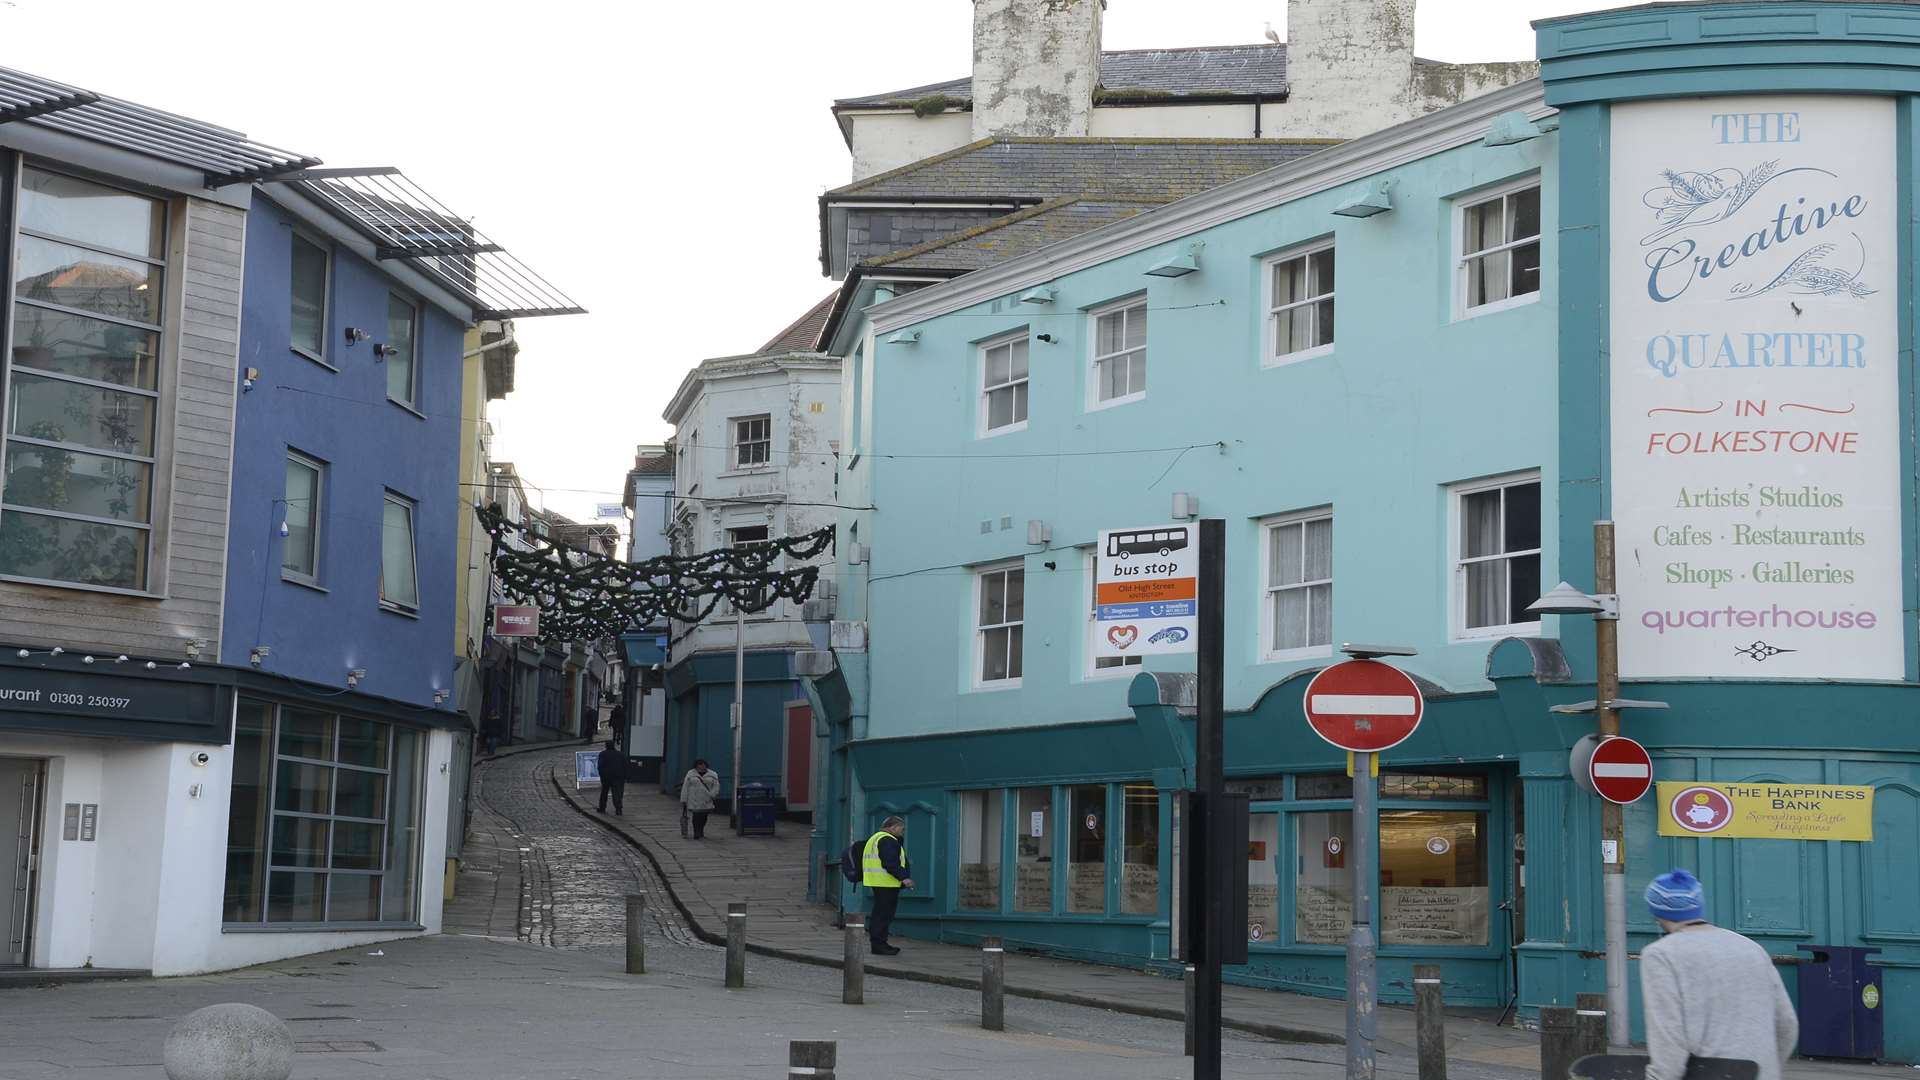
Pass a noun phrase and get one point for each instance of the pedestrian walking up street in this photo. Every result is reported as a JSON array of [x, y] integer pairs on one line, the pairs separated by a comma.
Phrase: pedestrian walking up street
[[884, 872], [613, 779], [1709, 992], [697, 794]]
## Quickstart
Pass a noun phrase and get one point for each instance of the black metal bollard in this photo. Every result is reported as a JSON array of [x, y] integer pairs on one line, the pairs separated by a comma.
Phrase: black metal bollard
[[1589, 1025], [853, 971], [993, 985], [636, 933], [1190, 991], [811, 1060], [736, 946], [1429, 1021], [1556, 1041]]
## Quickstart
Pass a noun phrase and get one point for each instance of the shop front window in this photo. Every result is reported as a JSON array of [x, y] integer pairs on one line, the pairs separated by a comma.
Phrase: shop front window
[[1323, 885], [324, 820], [1263, 878], [981, 814], [1087, 849], [1033, 855], [1140, 865], [1433, 877]]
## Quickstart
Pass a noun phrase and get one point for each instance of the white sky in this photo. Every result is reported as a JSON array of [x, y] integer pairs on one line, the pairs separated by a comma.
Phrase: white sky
[[659, 162]]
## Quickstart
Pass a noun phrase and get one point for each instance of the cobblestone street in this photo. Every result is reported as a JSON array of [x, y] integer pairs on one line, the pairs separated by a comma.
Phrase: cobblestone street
[[535, 869]]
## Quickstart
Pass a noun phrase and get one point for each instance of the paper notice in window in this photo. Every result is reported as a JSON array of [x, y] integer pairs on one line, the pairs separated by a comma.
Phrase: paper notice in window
[[1433, 916]]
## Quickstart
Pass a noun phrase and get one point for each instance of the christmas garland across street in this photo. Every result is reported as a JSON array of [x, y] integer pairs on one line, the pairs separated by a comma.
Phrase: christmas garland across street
[[585, 596]]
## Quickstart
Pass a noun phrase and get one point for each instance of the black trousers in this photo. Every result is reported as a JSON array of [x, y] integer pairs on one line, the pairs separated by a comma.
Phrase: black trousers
[[700, 823], [615, 788], [885, 903]]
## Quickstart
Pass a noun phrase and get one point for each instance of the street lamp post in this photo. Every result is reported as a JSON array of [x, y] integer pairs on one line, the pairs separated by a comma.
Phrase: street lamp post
[[1604, 606]]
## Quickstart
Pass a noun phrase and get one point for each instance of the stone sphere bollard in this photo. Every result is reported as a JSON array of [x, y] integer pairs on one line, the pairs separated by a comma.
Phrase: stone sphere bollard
[[228, 1042]]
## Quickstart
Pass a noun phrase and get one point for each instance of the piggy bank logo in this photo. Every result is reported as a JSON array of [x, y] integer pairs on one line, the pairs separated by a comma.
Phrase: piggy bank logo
[[1701, 810]]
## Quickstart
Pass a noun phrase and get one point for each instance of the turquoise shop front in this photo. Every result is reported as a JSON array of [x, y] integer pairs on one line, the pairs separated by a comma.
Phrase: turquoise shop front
[[1062, 839]]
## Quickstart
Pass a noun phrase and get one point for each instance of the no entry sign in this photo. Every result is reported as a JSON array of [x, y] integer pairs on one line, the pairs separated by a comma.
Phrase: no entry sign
[[1364, 705], [1621, 770]]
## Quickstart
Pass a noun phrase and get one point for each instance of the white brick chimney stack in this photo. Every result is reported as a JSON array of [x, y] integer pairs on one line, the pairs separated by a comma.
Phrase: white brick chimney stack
[[1349, 66], [1036, 64]]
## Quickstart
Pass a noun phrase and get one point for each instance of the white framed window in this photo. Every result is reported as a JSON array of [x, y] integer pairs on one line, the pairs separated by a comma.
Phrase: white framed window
[[1000, 613], [1119, 372], [752, 442], [1496, 555], [399, 581], [403, 382], [1297, 586], [312, 278], [741, 536], [1101, 667], [1498, 262], [300, 547], [1300, 304], [1003, 385]]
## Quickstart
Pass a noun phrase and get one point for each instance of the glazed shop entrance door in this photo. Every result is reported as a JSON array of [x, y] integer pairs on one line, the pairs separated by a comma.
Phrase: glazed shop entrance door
[[19, 819]]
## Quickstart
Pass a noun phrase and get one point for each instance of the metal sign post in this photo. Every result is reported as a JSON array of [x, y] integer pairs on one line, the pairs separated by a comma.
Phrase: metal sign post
[[1363, 707], [1209, 899], [1365, 861]]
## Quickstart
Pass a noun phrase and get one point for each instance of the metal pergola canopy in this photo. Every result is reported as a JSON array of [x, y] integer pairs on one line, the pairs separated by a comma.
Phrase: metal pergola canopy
[[405, 223], [223, 156], [23, 96]]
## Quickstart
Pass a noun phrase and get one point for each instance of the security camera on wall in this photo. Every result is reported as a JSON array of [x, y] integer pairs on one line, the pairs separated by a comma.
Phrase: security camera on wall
[[200, 757]]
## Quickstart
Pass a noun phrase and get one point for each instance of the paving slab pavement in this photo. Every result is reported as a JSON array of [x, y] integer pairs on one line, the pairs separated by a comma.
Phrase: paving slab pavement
[[770, 875], [469, 1008]]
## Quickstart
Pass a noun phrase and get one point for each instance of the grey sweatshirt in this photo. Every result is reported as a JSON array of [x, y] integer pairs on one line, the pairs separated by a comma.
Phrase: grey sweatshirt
[[1709, 992]]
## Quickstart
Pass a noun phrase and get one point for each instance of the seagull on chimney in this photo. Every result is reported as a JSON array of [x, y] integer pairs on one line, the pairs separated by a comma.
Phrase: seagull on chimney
[[1273, 37]]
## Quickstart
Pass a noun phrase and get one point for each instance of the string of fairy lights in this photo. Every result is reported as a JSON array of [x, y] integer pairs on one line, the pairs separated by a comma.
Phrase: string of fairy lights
[[583, 595]]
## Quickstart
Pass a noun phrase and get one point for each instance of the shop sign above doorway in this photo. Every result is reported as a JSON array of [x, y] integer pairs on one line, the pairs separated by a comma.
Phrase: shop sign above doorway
[[1766, 811]]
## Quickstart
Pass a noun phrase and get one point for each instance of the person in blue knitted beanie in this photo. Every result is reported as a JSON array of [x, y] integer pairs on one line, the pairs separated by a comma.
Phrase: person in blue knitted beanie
[[1676, 897], [1708, 992]]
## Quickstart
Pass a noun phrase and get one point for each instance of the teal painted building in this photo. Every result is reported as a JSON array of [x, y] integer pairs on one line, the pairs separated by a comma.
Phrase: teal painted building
[[1409, 421]]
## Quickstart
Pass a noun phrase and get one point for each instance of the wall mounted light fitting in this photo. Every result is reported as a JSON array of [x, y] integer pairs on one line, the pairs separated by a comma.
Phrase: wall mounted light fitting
[[356, 335], [904, 337], [1039, 294], [381, 350], [354, 676], [1187, 262], [1373, 199], [246, 383], [258, 653]]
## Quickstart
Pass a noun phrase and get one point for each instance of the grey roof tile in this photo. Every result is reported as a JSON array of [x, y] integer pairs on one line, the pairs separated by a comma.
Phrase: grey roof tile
[[1037, 169], [1241, 70], [1016, 234]]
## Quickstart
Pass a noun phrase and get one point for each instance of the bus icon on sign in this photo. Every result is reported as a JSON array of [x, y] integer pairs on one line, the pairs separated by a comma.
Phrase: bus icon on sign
[[1159, 541]]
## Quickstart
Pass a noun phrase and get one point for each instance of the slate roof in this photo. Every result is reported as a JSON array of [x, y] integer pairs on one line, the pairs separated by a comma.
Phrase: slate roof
[[654, 465], [1208, 71], [1016, 234], [1036, 168], [804, 331]]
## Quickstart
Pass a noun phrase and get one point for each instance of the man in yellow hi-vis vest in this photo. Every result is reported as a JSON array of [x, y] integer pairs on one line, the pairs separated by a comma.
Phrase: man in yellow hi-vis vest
[[883, 868]]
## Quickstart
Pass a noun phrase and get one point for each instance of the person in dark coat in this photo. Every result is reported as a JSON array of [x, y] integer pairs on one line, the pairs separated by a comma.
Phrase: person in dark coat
[[613, 779]]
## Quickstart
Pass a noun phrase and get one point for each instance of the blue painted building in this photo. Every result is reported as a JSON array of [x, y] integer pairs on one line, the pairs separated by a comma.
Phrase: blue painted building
[[345, 461], [1410, 372], [343, 550]]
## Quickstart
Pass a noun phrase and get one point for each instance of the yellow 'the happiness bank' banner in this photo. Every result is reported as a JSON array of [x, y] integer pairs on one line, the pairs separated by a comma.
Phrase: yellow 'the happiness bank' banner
[[1766, 811]]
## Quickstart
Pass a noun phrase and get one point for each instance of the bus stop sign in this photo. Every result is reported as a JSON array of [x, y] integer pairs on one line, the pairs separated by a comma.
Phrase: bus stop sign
[[1363, 705], [1146, 592]]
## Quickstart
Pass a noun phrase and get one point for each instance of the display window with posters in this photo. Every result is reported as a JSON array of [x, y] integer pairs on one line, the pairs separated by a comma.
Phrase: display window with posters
[[1438, 883]]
